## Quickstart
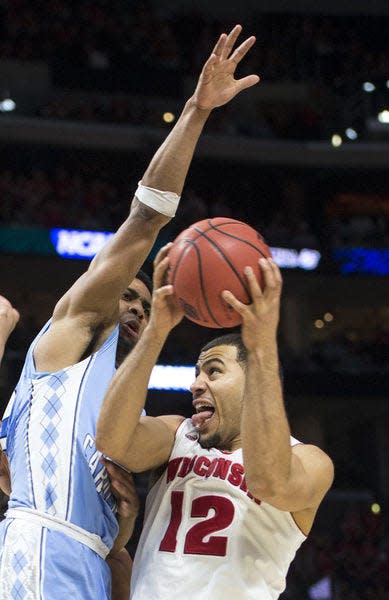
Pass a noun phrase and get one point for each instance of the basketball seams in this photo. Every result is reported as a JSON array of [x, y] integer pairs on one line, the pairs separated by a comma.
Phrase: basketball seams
[[228, 262], [191, 244], [180, 258], [235, 237], [212, 227], [199, 276]]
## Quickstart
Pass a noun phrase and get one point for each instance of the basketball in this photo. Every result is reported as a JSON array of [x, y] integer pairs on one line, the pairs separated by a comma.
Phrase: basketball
[[210, 257]]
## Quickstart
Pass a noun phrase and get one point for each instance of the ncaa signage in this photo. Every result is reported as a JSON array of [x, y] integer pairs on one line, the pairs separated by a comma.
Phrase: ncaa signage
[[77, 243], [74, 243]]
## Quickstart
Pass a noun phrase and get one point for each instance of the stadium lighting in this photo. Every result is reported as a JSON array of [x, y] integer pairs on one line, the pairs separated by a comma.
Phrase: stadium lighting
[[351, 133], [336, 140], [383, 116], [368, 87], [177, 378], [168, 117], [7, 105]]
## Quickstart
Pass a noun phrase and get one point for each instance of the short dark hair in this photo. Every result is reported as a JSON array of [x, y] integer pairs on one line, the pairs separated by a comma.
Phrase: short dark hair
[[235, 339], [229, 339], [144, 278]]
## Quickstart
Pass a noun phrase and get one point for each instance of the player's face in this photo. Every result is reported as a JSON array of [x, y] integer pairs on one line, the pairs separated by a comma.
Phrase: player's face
[[217, 398], [134, 312]]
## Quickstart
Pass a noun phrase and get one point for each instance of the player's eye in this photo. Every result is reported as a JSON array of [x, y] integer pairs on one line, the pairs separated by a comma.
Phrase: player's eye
[[213, 370]]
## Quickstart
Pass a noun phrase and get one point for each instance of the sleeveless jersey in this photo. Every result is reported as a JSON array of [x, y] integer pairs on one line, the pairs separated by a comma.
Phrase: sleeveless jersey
[[59, 486], [204, 534]]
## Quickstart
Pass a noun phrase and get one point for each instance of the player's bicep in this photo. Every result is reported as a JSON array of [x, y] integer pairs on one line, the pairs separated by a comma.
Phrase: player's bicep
[[151, 444], [311, 476]]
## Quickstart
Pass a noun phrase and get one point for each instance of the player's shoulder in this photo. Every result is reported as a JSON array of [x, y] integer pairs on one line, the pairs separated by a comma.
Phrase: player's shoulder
[[173, 422], [315, 460]]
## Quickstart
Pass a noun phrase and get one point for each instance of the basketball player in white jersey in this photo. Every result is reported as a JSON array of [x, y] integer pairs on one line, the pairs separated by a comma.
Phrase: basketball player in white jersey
[[61, 522], [237, 495]]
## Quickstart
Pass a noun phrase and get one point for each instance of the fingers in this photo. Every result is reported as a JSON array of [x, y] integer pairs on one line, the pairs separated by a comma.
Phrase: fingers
[[162, 252], [225, 44], [272, 285], [271, 275], [247, 82], [208, 67], [233, 302], [254, 287], [241, 51], [219, 46], [122, 483], [162, 292], [161, 265], [229, 41], [160, 274]]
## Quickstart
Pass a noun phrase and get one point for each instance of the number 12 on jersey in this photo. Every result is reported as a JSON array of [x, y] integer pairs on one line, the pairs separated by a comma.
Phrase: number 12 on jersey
[[216, 545]]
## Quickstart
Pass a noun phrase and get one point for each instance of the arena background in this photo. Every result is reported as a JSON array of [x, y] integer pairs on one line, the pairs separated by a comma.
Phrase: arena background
[[88, 90]]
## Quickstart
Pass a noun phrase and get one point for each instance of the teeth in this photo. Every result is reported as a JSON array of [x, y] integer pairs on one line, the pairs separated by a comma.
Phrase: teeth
[[203, 407]]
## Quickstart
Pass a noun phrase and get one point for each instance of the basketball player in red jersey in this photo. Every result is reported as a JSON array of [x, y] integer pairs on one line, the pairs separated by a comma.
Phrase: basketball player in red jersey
[[238, 494], [87, 322]]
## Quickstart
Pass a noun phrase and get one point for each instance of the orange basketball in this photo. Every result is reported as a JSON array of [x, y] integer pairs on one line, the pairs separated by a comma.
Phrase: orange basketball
[[206, 259]]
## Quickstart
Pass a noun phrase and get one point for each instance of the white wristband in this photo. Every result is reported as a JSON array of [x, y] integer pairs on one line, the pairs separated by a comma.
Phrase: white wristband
[[163, 202]]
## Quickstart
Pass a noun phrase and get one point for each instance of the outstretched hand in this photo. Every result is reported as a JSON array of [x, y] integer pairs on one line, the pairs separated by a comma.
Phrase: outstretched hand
[[217, 85], [260, 318], [9, 316], [165, 314]]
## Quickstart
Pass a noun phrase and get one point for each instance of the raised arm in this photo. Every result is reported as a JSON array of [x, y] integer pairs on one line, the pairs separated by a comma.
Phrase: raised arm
[[88, 311], [140, 443], [290, 478]]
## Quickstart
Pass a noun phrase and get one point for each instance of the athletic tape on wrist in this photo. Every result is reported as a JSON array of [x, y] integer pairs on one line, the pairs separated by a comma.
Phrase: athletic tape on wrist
[[163, 202]]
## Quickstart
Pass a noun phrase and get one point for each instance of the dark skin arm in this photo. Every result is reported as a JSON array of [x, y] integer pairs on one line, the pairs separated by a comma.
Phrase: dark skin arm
[[118, 560], [92, 302]]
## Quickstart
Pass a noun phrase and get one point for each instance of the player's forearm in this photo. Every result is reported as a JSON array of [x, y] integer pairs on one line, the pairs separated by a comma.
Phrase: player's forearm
[[265, 428], [126, 528], [126, 397], [97, 291], [121, 567], [169, 166]]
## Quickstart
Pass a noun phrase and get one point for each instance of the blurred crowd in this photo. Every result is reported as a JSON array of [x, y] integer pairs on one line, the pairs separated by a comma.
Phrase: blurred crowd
[[66, 196], [352, 562], [147, 51], [102, 35]]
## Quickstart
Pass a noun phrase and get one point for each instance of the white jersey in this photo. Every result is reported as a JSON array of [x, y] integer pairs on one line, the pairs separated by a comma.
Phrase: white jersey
[[205, 536]]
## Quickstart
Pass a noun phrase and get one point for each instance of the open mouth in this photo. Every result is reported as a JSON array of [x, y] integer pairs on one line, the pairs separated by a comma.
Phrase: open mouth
[[131, 329], [202, 416], [204, 408]]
